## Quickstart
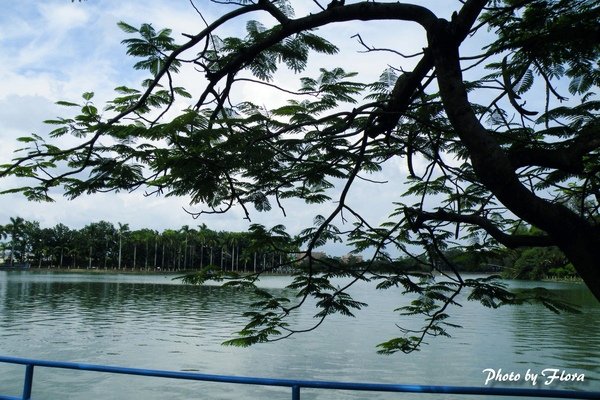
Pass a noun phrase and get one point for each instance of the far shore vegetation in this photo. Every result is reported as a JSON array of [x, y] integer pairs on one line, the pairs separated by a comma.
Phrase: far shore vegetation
[[102, 246]]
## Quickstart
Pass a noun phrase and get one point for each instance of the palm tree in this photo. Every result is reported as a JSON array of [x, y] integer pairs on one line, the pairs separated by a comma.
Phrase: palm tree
[[97, 239], [185, 231], [123, 229], [135, 237], [15, 229], [222, 240], [170, 238], [156, 237], [192, 245], [162, 240], [3, 236], [106, 251], [39, 241], [203, 235], [233, 240], [145, 236], [61, 235], [73, 253], [211, 239]]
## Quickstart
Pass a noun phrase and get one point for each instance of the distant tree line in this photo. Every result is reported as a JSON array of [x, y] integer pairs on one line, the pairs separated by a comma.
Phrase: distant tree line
[[102, 245], [528, 263]]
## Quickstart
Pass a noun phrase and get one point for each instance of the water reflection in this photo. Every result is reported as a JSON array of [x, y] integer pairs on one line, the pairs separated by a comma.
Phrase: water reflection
[[153, 322], [567, 341]]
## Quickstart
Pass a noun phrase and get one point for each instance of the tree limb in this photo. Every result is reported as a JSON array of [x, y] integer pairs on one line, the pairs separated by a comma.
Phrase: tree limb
[[575, 236], [511, 241], [566, 156], [352, 12]]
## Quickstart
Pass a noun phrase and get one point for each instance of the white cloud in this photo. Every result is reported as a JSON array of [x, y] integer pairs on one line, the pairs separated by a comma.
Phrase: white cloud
[[58, 49], [53, 24], [63, 17], [25, 84]]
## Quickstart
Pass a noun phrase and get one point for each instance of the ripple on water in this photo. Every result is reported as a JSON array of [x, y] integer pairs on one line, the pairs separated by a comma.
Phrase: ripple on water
[[155, 323]]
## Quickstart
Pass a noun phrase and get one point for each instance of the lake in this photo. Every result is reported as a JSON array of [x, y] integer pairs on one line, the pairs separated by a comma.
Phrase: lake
[[151, 321]]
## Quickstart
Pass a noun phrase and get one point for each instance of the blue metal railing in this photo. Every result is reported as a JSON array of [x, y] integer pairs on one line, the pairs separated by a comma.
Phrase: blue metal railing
[[293, 384]]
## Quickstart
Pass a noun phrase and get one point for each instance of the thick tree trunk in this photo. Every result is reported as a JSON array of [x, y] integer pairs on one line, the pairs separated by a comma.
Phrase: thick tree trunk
[[572, 234]]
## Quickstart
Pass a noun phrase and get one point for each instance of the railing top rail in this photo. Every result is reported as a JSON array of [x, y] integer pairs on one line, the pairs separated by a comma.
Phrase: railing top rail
[[248, 380]]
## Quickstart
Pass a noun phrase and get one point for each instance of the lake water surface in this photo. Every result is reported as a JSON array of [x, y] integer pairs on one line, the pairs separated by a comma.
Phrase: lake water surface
[[151, 321]]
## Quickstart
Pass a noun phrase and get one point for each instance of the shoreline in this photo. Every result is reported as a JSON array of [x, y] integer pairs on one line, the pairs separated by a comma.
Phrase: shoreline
[[103, 271], [98, 271], [124, 271]]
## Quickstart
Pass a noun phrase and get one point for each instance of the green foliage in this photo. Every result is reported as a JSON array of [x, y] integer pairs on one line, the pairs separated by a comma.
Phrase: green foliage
[[526, 157], [101, 245], [566, 271], [152, 46], [538, 263]]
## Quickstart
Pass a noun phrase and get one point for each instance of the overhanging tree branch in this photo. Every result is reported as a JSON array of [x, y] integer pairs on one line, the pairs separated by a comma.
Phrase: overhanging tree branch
[[225, 153], [493, 166], [352, 12], [418, 218], [566, 156]]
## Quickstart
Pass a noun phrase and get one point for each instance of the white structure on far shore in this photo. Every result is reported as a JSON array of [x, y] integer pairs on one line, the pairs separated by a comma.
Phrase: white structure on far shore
[[320, 255], [352, 258]]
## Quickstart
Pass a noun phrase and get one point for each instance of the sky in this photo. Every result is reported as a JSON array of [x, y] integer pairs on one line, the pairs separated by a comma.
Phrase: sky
[[56, 50]]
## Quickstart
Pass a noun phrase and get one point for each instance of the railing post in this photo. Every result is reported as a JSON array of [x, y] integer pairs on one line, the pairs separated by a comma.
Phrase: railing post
[[28, 382], [295, 392]]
